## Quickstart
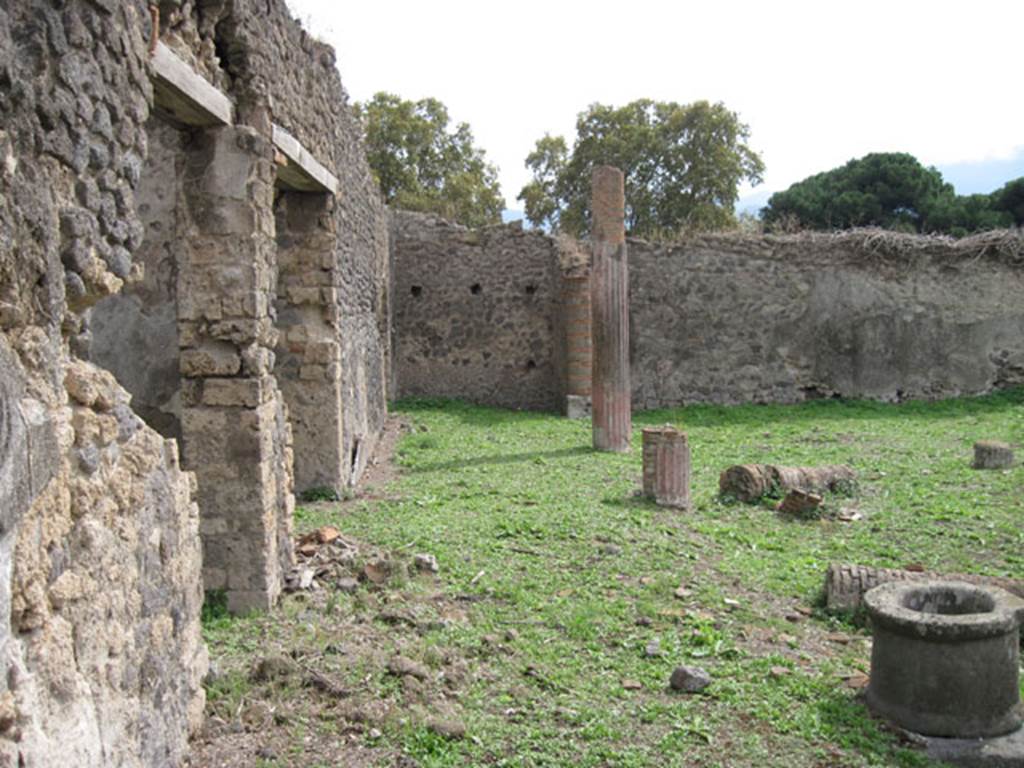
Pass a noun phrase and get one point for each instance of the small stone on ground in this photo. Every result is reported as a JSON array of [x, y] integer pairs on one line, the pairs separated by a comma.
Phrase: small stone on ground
[[425, 563], [689, 679]]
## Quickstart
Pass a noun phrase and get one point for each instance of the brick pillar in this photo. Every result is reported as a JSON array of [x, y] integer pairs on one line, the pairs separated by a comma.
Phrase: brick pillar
[[308, 353], [610, 312], [235, 430], [666, 458], [579, 357]]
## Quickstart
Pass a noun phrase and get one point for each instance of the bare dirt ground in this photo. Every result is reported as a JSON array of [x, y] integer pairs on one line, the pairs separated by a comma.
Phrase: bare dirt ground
[[300, 714], [381, 468]]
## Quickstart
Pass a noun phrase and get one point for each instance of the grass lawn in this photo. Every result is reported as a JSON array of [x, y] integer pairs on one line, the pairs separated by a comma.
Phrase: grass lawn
[[557, 582]]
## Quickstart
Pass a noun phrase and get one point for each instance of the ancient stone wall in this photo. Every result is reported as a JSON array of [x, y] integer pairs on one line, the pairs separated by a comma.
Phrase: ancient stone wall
[[136, 241], [100, 588], [723, 319], [476, 313], [331, 302], [271, 60], [281, 341], [784, 319], [134, 333]]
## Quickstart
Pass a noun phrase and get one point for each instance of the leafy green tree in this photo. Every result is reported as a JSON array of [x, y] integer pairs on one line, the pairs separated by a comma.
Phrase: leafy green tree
[[540, 196], [893, 190], [890, 190], [682, 163], [421, 165], [965, 214], [1010, 200]]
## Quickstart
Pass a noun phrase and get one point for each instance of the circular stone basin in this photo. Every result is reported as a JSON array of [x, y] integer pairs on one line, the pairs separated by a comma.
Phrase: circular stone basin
[[944, 661]]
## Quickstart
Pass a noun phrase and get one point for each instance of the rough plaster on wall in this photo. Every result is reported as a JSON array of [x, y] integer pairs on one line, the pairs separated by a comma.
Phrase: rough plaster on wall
[[720, 319], [134, 334], [788, 319]]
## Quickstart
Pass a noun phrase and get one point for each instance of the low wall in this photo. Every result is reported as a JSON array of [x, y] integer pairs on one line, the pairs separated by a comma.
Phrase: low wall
[[718, 319]]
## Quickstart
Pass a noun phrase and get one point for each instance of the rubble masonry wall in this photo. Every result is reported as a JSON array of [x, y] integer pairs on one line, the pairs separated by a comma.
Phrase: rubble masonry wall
[[717, 319], [100, 594], [172, 232], [476, 313]]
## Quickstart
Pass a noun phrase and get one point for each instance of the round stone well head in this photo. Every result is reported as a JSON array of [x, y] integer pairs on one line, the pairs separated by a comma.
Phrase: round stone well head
[[944, 661]]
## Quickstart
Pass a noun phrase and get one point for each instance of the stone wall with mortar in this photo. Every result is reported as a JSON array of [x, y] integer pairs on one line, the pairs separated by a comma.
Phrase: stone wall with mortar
[[721, 319], [134, 333], [100, 591], [308, 327], [783, 319], [193, 341], [234, 423], [476, 313], [101, 655], [276, 71]]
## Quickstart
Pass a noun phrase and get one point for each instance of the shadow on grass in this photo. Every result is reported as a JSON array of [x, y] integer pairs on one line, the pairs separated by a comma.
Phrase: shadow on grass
[[632, 501], [498, 459], [824, 411], [848, 722], [468, 413], [753, 415]]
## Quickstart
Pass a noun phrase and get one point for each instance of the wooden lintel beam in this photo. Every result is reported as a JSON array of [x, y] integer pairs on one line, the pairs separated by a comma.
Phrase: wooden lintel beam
[[183, 94], [301, 171]]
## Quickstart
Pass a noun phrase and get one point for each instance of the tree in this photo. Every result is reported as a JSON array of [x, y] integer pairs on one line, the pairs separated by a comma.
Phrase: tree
[[422, 166], [891, 190], [1010, 199], [964, 214], [682, 166], [540, 196]]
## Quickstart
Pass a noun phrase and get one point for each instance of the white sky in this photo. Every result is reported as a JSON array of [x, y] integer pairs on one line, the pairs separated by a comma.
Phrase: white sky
[[817, 82]]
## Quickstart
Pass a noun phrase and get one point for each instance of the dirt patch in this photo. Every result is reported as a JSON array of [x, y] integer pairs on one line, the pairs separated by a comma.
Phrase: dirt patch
[[355, 649], [381, 468], [219, 747]]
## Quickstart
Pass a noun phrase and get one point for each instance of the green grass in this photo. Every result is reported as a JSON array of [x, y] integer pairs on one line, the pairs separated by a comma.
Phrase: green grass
[[538, 534]]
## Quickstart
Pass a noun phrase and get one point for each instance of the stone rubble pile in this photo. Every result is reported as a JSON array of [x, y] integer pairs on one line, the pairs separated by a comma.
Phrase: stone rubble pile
[[327, 559]]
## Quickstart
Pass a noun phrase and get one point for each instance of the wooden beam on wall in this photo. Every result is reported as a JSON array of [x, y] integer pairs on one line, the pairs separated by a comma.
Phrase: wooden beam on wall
[[184, 95]]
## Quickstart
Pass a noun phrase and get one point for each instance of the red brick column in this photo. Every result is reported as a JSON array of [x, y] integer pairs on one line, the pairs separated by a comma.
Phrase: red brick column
[[610, 313], [579, 357], [666, 458]]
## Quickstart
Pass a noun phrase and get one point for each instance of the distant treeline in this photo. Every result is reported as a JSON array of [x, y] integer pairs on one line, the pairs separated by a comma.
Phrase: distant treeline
[[683, 166]]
